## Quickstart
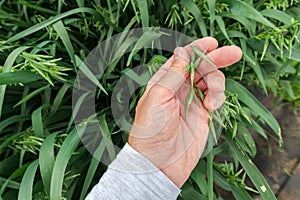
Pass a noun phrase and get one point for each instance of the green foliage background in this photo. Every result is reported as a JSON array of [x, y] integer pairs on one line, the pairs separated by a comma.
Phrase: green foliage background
[[43, 42]]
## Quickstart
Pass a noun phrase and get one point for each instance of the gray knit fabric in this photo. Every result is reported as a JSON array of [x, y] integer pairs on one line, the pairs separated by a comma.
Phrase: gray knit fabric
[[132, 177]]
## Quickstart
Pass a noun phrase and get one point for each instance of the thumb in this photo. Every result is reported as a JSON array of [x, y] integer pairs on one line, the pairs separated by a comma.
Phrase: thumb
[[175, 76]]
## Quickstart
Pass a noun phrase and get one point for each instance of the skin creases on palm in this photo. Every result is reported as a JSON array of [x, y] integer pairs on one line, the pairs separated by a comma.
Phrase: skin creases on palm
[[166, 129]]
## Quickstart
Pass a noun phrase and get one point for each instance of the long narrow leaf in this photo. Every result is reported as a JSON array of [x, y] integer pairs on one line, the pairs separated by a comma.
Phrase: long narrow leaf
[[245, 10], [31, 95], [18, 77], [147, 38], [37, 122], [144, 12], [278, 15], [26, 186], [254, 105], [63, 34], [58, 99], [6, 68], [254, 174], [86, 71], [92, 169], [107, 137], [193, 8], [61, 162], [258, 45], [50, 21], [13, 119], [11, 184], [46, 160]]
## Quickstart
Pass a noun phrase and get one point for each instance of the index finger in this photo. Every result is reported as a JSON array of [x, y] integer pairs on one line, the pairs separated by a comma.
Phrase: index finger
[[221, 57], [207, 43]]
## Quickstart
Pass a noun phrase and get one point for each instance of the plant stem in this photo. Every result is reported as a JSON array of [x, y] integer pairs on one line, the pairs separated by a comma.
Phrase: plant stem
[[210, 180]]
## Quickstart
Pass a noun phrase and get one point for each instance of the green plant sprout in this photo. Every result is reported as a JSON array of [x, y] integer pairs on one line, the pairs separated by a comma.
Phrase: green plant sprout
[[228, 111], [28, 142], [233, 177], [196, 58], [45, 65], [283, 4], [284, 38]]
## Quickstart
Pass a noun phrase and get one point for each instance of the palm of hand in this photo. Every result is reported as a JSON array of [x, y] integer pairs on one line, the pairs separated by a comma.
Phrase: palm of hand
[[172, 139]]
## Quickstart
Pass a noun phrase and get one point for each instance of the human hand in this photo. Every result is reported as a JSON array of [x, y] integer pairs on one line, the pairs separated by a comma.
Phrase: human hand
[[161, 132]]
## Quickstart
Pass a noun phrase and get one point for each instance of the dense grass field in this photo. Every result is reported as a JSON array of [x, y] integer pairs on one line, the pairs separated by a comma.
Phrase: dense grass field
[[44, 43]]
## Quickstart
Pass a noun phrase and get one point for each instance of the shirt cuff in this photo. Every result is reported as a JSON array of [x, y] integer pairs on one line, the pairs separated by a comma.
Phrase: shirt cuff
[[130, 161]]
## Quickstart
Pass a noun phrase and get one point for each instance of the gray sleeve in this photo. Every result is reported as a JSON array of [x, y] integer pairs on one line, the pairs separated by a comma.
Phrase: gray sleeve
[[132, 177]]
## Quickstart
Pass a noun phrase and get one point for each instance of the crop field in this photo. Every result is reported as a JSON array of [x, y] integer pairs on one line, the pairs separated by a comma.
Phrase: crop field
[[44, 45]]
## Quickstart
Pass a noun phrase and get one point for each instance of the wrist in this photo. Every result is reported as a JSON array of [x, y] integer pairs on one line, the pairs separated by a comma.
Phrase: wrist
[[176, 175]]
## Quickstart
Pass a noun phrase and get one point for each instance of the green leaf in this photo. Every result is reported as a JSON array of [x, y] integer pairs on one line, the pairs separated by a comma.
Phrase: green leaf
[[106, 134], [248, 24], [278, 15], [254, 105], [120, 46], [210, 176], [92, 169], [200, 93], [198, 177], [6, 68], [17, 173], [50, 21], [86, 71], [188, 101], [147, 37], [37, 8], [143, 6], [188, 193], [245, 10], [37, 121], [234, 130], [258, 45], [288, 88], [247, 138], [26, 186], [58, 99], [254, 174], [239, 193], [61, 162], [13, 119], [202, 55], [249, 57], [232, 34], [135, 77], [31, 95], [6, 143], [63, 34], [46, 160], [76, 109], [10, 184], [222, 27], [193, 8], [256, 127], [18, 77], [212, 7]]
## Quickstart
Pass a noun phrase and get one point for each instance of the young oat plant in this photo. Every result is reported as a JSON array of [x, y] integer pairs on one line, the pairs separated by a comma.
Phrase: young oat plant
[[222, 117], [45, 65], [196, 58]]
